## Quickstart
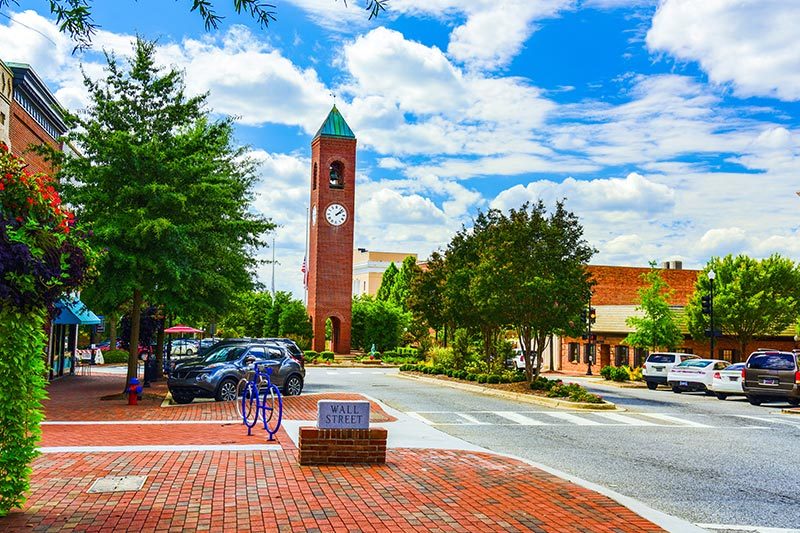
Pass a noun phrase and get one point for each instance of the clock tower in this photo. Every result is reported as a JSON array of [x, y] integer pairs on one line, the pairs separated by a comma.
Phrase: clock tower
[[330, 263]]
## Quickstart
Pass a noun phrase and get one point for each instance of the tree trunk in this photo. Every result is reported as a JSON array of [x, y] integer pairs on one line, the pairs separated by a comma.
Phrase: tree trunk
[[133, 349], [112, 331]]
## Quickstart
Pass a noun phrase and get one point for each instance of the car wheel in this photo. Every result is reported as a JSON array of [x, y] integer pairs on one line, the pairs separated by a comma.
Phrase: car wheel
[[226, 391], [720, 395], [676, 389], [709, 392], [753, 400], [189, 352], [182, 398], [652, 385], [794, 402], [293, 385]]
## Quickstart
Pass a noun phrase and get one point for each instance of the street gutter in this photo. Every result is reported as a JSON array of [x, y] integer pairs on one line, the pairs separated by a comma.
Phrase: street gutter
[[529, 398]]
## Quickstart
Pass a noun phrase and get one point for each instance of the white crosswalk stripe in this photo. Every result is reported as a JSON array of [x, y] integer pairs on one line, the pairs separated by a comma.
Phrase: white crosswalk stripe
[[627, 420], [588, 419], [519, 418]]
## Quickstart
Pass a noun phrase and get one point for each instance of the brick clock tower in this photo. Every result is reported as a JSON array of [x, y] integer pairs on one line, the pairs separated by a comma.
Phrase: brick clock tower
[[330, 263]]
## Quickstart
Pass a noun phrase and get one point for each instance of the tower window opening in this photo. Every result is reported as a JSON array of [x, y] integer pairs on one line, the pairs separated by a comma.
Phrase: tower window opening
[[337, 175], [314, 178]]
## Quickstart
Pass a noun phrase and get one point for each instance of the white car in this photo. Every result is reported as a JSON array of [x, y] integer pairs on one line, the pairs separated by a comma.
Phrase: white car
[[728, 382], [519, 360], [695, 375], [658, 365], [184, 347]]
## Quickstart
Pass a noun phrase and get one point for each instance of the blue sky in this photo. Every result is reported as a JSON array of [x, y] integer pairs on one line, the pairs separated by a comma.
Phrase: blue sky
[[671, 128]]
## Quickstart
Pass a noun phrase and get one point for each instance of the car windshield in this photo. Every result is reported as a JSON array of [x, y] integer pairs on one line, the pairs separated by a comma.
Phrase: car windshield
[[695, 363], [772, 361], [661, 358], [225, 353], [735, 366]]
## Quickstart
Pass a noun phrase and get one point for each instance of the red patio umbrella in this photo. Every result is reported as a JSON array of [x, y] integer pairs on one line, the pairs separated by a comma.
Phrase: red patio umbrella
[[180, 328]]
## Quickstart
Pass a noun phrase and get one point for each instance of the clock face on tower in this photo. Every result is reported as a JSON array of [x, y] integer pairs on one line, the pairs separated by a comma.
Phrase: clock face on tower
[[336, 214]]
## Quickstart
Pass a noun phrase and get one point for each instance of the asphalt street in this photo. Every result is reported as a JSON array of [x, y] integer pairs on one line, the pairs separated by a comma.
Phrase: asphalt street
[[689, 455]]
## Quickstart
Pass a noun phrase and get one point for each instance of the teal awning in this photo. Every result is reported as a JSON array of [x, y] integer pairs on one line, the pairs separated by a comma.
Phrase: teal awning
[[73, 311]]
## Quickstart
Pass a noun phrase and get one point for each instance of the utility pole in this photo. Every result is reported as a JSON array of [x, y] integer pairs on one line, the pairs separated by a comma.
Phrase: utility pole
[[273, 267]]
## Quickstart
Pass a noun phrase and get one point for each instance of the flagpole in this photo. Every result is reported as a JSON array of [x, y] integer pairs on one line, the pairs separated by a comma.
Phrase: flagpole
[[306, 260], [273, 267]]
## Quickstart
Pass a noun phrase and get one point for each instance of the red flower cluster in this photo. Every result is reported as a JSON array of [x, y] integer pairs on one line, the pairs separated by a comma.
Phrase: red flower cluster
[[30, 197]]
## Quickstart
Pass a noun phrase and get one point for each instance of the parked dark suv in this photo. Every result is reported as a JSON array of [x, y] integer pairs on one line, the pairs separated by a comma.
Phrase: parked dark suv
[[217, 373], [772, 375]]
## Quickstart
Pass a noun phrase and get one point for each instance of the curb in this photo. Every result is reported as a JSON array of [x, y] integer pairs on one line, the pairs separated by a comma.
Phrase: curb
[[791, 411], [529, 398]]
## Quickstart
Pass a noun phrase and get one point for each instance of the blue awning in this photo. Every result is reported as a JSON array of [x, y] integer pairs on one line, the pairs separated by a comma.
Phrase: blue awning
[[73, 311]]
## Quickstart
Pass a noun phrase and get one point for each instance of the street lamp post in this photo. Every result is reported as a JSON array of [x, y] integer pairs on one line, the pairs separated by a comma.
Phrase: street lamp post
[[711, 276]]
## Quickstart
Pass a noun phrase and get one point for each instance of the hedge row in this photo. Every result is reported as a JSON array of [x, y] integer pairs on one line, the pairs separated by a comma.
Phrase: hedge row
[[509, 377]]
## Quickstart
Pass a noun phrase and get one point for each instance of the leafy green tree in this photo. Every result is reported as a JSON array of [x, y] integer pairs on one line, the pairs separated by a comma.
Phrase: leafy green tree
[[401, 287], [166, 193], [387, 283], [531, 274], [272, 327], [295, 324], [425, 299], [752, 297], [657, 328], [75, 16], [376, 322]]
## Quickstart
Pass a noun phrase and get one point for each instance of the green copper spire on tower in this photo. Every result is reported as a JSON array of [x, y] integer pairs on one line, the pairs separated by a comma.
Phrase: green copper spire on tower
[[335, 126]]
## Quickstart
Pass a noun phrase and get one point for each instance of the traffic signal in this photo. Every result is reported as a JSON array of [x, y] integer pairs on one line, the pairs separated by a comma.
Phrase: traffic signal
[[705, 301], [592, 315], [583, 316]]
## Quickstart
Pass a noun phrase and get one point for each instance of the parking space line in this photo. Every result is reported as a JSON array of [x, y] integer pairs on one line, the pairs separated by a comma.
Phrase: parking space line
[[421, 418], [770, 420]]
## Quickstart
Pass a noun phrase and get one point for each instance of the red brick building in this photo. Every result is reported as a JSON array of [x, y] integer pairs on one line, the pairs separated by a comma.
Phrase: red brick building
[[615, 298], [36, 117], [330, 262]]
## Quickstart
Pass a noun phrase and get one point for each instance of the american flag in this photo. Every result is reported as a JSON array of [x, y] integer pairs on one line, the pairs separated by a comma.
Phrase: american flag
[[304, 270]]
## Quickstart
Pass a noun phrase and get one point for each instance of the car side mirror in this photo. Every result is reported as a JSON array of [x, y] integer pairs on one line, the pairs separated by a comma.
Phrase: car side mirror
[[249, 360]]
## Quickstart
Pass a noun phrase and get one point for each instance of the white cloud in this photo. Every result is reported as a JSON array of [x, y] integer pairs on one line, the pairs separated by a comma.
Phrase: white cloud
[[481, 44], [752, 44], [722, 241], [634, 195], [387, 206]]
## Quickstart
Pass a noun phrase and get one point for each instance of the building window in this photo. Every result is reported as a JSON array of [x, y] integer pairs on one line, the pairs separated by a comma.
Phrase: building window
[[639, 356], [686, 350], [588, 350], [621, 356], [574, 352], [728, 355], [314, 178], [337, 175]]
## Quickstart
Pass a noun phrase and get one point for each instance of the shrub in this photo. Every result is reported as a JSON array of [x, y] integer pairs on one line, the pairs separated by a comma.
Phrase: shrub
[[461, 374], [606, 371], [442, 357], [389, 353], [542, 383], [310, 356], [635, 374], [620, 373], [493, 378], [115, 356], [408, 350], [470, 376], [482, 378], [326, 356]]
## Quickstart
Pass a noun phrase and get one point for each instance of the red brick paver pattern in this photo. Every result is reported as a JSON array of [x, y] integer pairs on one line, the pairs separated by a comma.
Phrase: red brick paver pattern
[[79, 398], [420, 490]]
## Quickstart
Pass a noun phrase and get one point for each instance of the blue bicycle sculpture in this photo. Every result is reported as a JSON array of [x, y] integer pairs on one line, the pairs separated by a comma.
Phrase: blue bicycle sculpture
[[260, 397]]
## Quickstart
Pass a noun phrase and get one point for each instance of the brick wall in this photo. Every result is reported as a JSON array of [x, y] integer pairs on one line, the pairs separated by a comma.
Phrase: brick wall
[[618, 285], [330, 275], [342, 446], [24, 131]]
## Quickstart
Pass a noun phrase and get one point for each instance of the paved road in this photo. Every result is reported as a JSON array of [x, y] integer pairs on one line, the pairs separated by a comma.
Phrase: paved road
[[692, 456]]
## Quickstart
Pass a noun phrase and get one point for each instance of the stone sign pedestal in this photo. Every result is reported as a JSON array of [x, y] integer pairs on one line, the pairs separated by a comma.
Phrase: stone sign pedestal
[[342, 436]]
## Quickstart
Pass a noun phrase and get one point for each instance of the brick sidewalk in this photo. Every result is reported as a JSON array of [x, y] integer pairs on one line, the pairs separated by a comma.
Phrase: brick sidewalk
[[417, 490]]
